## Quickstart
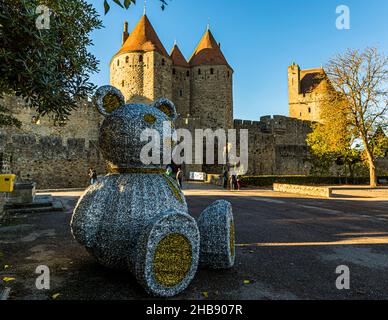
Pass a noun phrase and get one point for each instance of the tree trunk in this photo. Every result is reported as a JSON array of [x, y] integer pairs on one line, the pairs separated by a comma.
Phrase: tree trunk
[[351, 169], [372, 174], [372, 170]]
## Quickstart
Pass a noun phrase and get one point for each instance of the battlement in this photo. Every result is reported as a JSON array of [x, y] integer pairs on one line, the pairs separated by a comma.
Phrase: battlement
[[51, 161], [273, 124], [246, 124]]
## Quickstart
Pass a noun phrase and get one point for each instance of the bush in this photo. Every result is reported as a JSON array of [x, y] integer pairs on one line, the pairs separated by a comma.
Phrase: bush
[[266, 181]]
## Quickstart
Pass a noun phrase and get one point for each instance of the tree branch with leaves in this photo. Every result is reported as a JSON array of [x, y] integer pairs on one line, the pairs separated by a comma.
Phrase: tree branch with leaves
[[359, 102], [48, 68], [127, 3]]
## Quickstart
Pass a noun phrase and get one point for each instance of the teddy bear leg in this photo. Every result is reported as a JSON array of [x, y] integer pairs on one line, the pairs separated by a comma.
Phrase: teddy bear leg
[[216, 227], [168, 254]]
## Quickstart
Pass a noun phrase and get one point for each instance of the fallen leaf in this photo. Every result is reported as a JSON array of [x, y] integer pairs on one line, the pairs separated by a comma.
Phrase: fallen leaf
[[7, 279], [55, 296], [247, 281], [205, 294], [7, 266]]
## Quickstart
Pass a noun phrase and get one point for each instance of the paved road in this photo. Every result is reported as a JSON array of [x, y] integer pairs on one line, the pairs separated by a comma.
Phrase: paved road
[[288, 248]]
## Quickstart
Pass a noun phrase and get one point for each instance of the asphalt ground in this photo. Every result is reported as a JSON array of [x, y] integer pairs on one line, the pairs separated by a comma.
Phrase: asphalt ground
[[288, 247]]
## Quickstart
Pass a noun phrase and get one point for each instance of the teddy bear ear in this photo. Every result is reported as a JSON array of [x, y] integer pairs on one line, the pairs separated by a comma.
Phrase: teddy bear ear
[[167, 107], [107, 99]]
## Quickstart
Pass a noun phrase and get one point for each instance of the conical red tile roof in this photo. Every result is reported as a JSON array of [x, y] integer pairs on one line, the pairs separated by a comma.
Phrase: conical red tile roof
[[208, 52], [143, 38], [177, 57]]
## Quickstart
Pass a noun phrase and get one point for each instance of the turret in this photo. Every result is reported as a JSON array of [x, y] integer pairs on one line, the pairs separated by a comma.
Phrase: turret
[[211, 84], [125, 33], [181, 94], [293, 81], [307, 91], [141, 69]]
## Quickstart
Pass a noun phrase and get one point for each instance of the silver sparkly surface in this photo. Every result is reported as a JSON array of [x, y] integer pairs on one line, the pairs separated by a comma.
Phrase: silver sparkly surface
[[122, 219], [214, 226], [121, 131], [171, 222], [101, 93]]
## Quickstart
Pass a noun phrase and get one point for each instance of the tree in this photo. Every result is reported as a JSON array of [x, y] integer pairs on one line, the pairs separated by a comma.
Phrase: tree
[[332, 140], [50, 68], [126, 4], [360, 96]]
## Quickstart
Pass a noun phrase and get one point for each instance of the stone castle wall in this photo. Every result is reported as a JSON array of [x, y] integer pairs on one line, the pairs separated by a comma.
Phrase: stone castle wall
[[276, 145], [181, 89], [52, 154], [212, 96], [142, 77], [307, 91], [162, 83], [203, 92]]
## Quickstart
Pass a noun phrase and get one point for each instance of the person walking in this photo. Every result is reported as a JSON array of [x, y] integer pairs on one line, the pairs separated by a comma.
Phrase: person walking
[[238, 183], [179, 178], [234, 182], [92, 176], [225, 182]]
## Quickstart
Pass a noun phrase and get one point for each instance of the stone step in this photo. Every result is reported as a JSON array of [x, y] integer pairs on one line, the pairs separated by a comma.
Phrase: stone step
[[55, 206], [39, 201]]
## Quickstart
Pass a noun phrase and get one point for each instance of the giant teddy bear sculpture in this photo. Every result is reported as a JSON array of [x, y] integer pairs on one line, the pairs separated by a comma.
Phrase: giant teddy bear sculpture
[[136, 217]]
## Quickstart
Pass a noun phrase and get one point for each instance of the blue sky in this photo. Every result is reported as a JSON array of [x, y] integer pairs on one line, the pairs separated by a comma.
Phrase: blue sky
[[259, 39]]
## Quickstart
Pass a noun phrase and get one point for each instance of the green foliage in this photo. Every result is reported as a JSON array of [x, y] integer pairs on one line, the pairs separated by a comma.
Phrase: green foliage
[[331, 141], [50, 68], [266, 181], [361, 78], [379, 143], [6, 119], [126, 4]]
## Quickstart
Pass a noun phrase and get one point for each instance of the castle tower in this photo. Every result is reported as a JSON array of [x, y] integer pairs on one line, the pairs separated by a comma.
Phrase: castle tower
[[211, 85], [181, 94], [293, 82], [141, 69], [307, 91]]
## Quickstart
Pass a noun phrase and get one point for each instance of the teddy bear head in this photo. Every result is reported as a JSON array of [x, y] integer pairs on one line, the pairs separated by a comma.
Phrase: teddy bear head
[[134, 136]]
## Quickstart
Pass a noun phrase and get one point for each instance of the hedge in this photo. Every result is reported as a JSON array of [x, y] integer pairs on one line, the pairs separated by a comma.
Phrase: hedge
[[265, 181]]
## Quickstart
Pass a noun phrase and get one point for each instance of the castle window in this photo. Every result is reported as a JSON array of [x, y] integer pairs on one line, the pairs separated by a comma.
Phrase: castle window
[[300, 114], [173, 71], [181, 93], [211, 71], [122, 83], [188, 74], [228, 74], [163, 62], [118, 62], [199, 71], [309, 110], [140, 59], [126, 59]]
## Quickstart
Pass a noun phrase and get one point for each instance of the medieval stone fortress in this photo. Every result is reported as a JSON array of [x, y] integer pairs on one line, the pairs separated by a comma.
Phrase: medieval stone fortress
[[57, 154]]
